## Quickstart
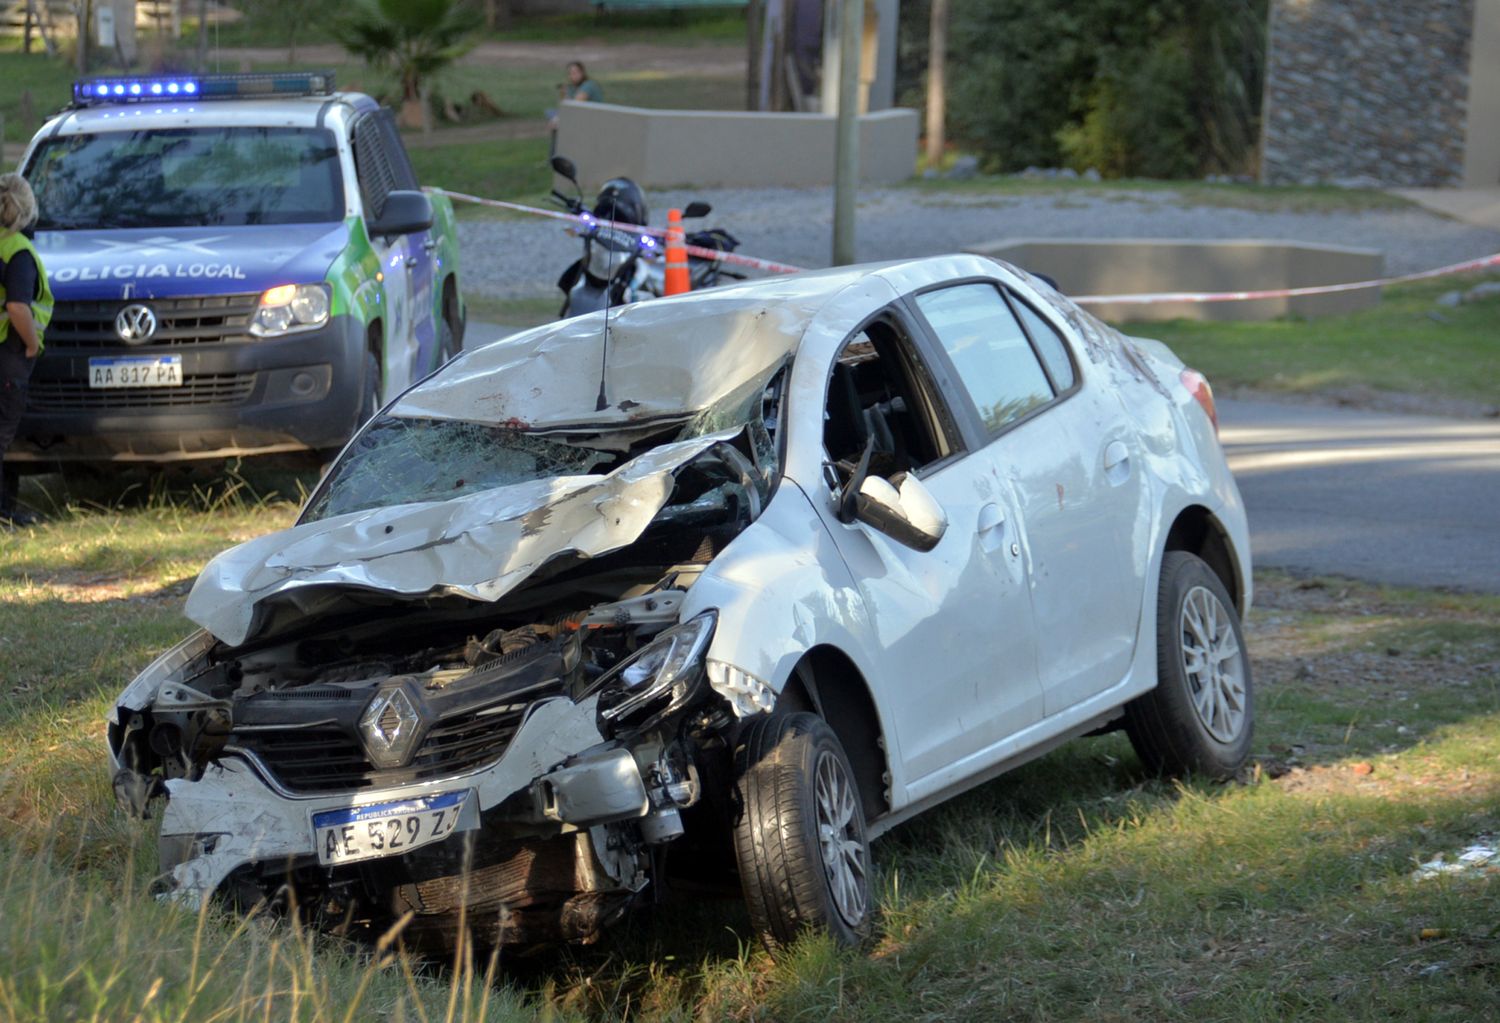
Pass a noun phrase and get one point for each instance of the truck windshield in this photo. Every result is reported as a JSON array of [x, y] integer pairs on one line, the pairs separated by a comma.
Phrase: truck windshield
[[187, 177]]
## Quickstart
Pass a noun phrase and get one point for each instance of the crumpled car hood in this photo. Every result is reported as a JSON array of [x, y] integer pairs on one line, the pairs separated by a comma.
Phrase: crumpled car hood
[[481, 545], [664, 359]]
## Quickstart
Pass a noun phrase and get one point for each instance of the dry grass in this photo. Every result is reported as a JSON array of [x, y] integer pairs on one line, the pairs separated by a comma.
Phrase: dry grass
[[1078, 887]]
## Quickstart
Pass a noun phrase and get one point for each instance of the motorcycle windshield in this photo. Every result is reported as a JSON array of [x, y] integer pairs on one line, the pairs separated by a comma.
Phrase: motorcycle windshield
[[609, 250]]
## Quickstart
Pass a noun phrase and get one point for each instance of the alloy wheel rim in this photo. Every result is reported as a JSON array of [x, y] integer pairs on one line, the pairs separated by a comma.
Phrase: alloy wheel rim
[[1213, 664], [840, 839]]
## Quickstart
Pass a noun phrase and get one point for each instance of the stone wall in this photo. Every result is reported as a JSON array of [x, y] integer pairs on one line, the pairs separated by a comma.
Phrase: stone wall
[[1367, 92]]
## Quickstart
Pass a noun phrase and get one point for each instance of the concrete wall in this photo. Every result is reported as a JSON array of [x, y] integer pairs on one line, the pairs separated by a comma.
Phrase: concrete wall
[[728, 148], [1129, 266], [1482, 133], [1369, 92]]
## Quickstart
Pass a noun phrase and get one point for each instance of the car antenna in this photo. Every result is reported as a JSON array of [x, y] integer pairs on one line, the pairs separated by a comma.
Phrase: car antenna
[[609, 286]]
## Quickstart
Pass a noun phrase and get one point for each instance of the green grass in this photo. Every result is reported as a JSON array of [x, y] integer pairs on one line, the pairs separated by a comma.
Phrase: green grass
[[665, 28], [1406, 344], [514, 170], [668, 28], [1077, 887], [48, 80], [514, 312]]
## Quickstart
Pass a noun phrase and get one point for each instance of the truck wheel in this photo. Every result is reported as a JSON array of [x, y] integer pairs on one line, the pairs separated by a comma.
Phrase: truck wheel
[[800, 840], [449, 344], [1200, 716], [371, 403]]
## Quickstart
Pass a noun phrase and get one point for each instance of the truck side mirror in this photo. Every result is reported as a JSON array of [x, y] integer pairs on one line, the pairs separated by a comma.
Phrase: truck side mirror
[[404, 212]]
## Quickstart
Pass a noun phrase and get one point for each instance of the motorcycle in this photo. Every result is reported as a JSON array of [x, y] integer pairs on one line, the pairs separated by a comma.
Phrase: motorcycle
[[620, 266]]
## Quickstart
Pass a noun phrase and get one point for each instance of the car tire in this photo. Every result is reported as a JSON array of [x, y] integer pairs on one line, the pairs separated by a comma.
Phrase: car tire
[[799, 834], [1200, 717]]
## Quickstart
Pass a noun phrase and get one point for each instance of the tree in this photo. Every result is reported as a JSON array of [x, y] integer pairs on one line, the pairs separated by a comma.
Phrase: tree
[[937, 83], [415, 38]]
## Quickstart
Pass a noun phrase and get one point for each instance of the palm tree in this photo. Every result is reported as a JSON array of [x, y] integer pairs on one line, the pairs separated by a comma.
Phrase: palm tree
[[417, 38]]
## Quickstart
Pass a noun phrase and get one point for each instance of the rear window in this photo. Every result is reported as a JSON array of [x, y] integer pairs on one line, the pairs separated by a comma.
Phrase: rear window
[[187, 177]]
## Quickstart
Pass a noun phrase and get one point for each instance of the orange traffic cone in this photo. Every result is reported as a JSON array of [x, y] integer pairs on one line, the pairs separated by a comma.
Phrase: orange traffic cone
[[677, 280]]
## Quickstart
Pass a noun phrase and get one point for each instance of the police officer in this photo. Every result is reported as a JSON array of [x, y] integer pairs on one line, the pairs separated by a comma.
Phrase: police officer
[[25, 309]]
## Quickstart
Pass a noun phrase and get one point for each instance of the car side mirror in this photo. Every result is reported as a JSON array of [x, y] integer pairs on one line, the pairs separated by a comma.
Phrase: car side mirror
[[404, 212], [696, 209], [566, 168], [906, 512]]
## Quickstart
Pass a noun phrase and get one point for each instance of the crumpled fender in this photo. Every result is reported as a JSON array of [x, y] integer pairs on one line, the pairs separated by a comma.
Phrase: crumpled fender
[[480, 546]]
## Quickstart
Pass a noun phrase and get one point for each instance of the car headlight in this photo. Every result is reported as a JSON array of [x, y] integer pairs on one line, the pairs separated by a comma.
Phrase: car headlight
[[671, 665], [288, 308]]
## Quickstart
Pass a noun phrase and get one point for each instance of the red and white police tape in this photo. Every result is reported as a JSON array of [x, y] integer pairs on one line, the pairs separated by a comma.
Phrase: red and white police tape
[[768, 265], [1148, 298]]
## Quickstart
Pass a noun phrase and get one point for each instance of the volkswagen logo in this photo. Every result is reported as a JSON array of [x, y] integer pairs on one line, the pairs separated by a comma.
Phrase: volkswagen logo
[[135, 324]]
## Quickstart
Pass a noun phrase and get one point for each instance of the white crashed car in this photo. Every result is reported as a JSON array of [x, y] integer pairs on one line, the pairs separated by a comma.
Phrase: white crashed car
[[718, 593]]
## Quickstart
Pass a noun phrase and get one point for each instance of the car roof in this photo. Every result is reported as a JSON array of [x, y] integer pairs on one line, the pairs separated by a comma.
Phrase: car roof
[[288, 111], [664, 358]]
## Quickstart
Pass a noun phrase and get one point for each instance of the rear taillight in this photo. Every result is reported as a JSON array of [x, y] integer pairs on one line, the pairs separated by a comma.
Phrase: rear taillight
[[1197, 385]]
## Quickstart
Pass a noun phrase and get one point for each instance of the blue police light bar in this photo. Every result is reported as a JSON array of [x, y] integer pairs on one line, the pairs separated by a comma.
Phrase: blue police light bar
[[159, 88]]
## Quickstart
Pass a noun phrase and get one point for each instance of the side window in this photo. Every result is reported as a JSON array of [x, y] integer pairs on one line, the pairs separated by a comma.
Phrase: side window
[[989, 350], [372, 166], [881, 395], [1049, 344], [395, 153]]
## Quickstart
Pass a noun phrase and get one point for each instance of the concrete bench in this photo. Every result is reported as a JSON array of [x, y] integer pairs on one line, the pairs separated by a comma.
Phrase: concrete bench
[[728, 148], [1128, 266]]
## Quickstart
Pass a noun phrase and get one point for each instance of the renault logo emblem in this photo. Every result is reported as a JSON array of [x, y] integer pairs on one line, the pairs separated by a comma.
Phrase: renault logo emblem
[[135, 324]]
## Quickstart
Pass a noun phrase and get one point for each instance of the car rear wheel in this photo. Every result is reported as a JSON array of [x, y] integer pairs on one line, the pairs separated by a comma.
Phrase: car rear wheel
[[1200, 716], [800, 841]]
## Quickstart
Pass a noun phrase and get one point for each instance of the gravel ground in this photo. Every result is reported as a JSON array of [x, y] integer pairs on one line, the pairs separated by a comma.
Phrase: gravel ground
[[522, 258]]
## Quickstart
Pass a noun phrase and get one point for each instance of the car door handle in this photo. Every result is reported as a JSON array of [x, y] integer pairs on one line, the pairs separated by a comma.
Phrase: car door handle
[[411, 261], [1116, 462], [991, 526], [430, 245], [991, 516]]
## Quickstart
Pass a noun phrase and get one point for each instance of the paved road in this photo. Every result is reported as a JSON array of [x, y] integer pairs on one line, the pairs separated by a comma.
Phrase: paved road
[[1407, 500]]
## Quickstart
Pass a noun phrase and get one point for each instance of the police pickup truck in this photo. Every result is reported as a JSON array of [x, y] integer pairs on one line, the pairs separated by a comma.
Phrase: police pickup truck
[[243, 265]]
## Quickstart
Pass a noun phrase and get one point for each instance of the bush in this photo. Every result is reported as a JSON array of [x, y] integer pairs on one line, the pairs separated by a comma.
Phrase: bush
[[1154, 88]]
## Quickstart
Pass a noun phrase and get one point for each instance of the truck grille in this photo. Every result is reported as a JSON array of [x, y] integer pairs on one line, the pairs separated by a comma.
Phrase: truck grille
[[180, 321], [200, 389], [329, 759]]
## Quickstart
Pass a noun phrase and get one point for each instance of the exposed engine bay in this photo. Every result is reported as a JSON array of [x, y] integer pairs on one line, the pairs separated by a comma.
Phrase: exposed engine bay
[[519, 764]]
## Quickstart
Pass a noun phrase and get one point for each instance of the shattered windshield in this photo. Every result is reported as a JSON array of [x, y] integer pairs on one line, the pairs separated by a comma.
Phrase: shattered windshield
[[407, 460], [404, 461]]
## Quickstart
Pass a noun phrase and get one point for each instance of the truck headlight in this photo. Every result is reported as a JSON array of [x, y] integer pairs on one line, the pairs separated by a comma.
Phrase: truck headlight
[[671, 665], [288, 308]]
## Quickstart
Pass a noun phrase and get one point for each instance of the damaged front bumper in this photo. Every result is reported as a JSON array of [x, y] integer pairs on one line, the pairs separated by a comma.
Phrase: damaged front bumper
[[233, 817]]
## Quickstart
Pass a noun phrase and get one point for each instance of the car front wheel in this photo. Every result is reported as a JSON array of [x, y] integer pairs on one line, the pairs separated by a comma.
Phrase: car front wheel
[[1200, 716], [800, 840]]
